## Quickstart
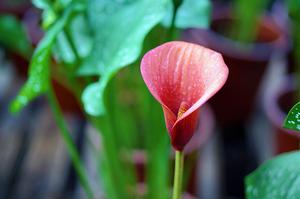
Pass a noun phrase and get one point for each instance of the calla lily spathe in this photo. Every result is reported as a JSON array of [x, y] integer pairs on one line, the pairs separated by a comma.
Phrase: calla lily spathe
[[182, 77]]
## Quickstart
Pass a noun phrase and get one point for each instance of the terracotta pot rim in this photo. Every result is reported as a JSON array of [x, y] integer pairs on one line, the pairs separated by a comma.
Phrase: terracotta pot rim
[[271, 107], [259, 51]]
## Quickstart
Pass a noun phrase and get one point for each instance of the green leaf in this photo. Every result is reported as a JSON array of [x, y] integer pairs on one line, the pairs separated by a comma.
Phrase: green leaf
[[81, 35], [41, 4], [61, 4], [193, 14], [294, 9], [39, 77], [292, 120], [92, 98], [13, 35], [51, 10], [247, 14], [119, 29], [294, 14], [190, 14], [116, 181], [278, 178], [158, 167], [63, 50], [74, 43], [49, 15]]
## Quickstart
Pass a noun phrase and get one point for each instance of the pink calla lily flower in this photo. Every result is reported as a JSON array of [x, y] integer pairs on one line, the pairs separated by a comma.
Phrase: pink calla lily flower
[[182, 77]]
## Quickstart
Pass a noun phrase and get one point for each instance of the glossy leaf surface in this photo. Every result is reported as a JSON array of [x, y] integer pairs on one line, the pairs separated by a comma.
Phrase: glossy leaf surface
[[292, 121], [92, 98], [193, 14], [80, 35], [277, 178], [119, 29], [39, 74]]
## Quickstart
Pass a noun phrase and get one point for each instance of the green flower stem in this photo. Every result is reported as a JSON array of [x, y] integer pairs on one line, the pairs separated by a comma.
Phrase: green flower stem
[[71, 148], [177, 187]]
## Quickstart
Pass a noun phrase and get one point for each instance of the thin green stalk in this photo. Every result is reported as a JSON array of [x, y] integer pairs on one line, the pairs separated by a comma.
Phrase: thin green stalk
[[157, 177], [71, 148], [171, 31], [177, 187]]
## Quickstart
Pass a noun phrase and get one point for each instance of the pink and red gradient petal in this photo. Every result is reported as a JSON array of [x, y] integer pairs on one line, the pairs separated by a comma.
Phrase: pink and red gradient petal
[[182, 77]]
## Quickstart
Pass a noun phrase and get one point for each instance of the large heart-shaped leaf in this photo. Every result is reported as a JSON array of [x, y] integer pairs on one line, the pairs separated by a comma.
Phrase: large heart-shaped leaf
[[193, 14], [39, 77], [51, 9], [92, 98], [75, 42], [80, 35], [119, 28], [190, 14], [10, 29], [277, 178], [292, 121]]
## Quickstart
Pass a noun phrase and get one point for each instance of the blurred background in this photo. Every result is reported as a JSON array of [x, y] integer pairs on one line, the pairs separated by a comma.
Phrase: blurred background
[[242, 123]]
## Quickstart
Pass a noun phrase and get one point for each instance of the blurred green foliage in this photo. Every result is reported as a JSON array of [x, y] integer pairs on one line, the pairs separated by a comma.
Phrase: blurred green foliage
[[294, 13], [13, 35], [39, 75], [246, 18]]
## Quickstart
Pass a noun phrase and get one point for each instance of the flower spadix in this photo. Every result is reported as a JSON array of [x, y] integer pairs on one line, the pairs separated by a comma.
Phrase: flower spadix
[[182, 77]]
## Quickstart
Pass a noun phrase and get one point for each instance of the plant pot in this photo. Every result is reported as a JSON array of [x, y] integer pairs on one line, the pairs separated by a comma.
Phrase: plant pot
[[205, 130], [247, 64], [276, 106]]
